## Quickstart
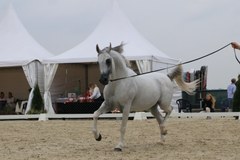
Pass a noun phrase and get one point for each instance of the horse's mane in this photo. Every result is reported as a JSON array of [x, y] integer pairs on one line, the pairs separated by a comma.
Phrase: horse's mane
[[119, 50]]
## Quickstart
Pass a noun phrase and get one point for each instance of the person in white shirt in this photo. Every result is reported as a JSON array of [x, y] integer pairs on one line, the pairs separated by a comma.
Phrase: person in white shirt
[[95, 92], [230, 93]]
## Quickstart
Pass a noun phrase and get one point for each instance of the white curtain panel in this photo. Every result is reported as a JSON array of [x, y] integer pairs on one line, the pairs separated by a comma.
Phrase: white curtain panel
[[40, 78], [30, 71], [49, 73], [143, 65]]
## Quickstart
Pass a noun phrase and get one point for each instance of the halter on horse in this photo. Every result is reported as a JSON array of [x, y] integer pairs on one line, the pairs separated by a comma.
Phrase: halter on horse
[[138, 93]]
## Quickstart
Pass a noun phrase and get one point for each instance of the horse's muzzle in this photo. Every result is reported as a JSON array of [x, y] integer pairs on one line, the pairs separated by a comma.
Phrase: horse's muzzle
[[104, 79]]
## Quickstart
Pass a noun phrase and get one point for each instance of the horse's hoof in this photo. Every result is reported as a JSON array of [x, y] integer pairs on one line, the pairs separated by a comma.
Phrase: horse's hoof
[[99, 137], [164, 132], [161, 142], [118, 149]]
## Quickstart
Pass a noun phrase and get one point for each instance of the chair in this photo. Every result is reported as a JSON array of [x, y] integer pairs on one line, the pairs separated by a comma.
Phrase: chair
[[24, 108], [184, 104], [21, 107]]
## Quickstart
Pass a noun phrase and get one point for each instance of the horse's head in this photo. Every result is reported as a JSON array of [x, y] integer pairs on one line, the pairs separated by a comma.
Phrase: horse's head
[[105, 61], [105, 64]]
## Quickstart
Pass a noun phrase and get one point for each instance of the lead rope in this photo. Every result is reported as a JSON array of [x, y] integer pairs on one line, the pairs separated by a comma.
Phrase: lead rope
[[236, 56], [190, 61]]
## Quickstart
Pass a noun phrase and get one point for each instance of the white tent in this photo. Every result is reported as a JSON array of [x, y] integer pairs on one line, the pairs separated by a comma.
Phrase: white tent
[[115, 28], [18, 48]]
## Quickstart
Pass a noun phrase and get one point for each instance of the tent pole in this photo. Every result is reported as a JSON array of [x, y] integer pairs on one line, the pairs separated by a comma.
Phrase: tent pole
[[86, 76]]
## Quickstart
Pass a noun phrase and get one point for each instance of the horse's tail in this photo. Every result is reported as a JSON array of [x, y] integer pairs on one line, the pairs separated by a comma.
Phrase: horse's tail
[[176, 75]]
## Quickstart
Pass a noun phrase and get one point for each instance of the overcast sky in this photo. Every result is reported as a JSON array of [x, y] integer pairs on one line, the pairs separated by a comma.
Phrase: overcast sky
[[183, 29]]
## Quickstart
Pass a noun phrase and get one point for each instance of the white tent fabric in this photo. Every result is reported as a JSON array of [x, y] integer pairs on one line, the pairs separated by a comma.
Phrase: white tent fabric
[[30, 71], [18, 48], [50, 70], [143, 65], [114, 28]]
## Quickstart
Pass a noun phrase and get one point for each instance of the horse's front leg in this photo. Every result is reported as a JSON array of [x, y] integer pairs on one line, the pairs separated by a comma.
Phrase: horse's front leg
[[103, 108], [125, 115]]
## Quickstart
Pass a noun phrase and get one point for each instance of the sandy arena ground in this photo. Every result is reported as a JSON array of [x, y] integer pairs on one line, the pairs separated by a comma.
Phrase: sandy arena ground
[[187, 139]]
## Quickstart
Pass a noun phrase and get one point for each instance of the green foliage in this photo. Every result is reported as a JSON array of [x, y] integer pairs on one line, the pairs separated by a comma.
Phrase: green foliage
[[37, 102], [236, 98]]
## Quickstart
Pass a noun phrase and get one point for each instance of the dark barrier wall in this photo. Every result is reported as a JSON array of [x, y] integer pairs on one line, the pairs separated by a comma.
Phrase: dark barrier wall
[[220, 95]]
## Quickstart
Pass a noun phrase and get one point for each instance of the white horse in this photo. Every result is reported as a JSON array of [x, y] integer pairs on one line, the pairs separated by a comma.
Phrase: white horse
[[138, 93]]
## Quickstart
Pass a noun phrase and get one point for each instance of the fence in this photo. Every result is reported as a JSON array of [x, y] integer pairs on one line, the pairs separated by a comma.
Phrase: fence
[[143, 115]]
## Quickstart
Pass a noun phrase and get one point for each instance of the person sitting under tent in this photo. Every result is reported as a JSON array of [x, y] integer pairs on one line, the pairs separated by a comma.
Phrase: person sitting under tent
[[11, 101], [95, 92], [2, 100]]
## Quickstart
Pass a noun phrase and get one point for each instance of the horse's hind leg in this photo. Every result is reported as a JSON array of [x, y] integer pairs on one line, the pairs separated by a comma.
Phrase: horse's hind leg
[[160, 119], [167, 113]]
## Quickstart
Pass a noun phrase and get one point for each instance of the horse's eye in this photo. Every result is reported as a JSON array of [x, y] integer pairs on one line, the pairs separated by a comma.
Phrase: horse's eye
[[108, 62]]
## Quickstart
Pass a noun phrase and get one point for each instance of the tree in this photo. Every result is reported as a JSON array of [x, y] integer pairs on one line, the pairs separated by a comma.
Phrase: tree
[[37, 102], [236, 97]]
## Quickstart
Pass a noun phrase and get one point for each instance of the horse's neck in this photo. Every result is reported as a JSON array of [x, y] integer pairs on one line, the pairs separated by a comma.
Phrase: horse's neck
[[120, 69]]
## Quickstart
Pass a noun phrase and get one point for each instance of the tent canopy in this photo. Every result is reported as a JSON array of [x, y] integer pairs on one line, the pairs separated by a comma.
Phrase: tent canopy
[[17, 46], [115, 28]]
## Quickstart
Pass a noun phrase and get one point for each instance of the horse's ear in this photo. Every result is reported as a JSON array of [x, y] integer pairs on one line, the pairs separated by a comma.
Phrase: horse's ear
[[119, 48], [98, 49], [109, 48]]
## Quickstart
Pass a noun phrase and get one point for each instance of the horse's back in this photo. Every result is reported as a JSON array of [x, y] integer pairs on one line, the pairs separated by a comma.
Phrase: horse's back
[[154, 80]]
